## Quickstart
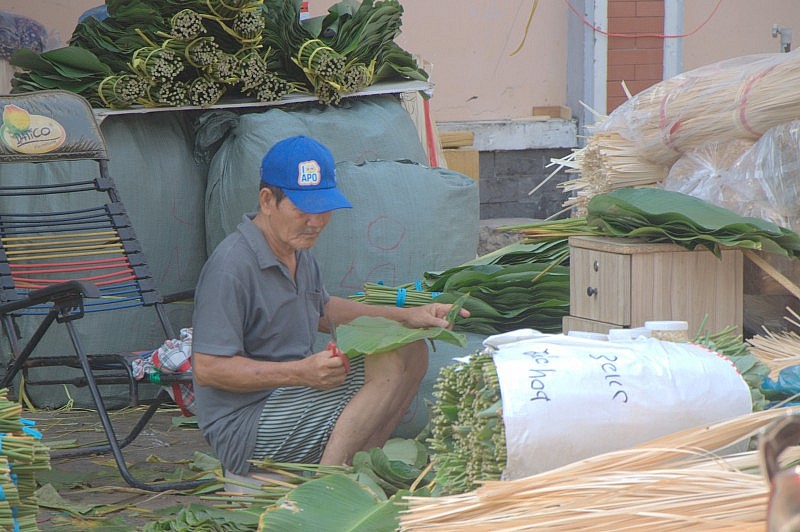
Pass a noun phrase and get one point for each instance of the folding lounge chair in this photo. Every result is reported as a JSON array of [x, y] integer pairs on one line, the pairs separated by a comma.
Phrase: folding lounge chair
[[58, 267]]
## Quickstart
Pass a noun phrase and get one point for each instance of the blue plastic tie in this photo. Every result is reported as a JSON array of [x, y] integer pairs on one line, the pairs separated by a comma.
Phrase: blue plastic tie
[[434, 295], [2, 494], [380, 283], [418, 285], [400, 300], [28, 422], [32, 432]]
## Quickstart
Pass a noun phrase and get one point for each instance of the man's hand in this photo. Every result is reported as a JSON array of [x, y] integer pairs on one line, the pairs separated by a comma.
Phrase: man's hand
[[430, 315], [324, 371]]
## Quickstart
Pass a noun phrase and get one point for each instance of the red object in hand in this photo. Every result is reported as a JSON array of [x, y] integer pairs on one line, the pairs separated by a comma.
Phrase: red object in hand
[[339, 353], [332, 347]]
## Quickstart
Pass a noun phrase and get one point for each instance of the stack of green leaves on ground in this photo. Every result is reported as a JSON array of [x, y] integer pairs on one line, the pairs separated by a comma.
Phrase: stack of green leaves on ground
[[665, 216], [365, 496], [506, 297]]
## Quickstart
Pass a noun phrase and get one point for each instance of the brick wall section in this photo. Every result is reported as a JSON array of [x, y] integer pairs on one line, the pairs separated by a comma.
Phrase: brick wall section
[[636, 61]]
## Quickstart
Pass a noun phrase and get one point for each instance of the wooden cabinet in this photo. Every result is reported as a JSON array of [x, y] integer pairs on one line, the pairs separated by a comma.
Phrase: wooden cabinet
[[623, 282]]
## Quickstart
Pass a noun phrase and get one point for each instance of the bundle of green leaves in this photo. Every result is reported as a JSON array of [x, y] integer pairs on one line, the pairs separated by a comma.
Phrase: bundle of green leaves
[[665, 216]]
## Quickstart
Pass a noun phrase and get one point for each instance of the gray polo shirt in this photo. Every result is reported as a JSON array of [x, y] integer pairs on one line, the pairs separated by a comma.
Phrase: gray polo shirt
[[246, 303]]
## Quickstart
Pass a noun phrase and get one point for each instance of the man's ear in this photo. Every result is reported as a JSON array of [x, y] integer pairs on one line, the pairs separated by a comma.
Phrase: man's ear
[[265, 198]]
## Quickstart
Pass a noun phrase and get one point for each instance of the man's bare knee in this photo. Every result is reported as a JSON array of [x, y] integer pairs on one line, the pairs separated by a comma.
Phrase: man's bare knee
[[408, 362]]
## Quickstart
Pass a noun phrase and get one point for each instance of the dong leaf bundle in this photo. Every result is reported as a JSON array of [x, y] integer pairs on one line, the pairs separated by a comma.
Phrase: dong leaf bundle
[[666, 216]]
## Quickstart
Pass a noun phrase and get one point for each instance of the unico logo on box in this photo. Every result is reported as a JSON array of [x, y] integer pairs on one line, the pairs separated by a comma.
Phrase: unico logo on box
[[309, 174]]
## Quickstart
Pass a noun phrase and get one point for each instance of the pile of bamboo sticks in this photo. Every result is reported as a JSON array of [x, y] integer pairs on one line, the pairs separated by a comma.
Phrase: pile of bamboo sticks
[[701, 478]]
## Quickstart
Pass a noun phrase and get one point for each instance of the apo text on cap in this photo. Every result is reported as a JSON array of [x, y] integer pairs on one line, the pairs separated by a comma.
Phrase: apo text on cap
[[306, 172]]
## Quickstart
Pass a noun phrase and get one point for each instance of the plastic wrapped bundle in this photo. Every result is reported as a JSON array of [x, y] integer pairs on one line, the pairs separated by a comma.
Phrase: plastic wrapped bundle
[[762, 181]]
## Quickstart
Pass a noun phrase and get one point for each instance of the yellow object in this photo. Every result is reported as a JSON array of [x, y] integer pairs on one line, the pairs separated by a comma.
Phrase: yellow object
[[464, 161]]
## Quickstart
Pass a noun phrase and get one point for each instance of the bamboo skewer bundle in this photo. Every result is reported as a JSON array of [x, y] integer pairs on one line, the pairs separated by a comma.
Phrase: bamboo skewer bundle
[[606, 163], [637, 143], [778, 350], [675, 482]]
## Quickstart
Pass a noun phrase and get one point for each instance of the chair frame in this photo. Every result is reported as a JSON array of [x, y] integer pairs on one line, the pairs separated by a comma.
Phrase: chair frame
[[67, 299]]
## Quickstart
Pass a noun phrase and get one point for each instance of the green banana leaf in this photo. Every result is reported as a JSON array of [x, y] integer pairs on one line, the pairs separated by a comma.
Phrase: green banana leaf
[[371, 334], [410, 451], [333, 502], [666, 216]]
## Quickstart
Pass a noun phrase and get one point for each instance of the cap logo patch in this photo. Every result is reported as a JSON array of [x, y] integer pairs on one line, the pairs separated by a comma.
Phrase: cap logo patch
[[308, 173]]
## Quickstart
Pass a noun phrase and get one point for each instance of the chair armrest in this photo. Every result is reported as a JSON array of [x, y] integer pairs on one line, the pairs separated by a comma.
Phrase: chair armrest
[[60, 292], [183, 295]]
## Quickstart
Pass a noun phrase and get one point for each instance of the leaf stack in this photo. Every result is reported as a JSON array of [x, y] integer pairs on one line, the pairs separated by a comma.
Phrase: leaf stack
[[665, 216]]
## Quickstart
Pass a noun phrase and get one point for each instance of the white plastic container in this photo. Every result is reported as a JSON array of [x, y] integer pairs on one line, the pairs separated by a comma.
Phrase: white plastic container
[[670, 331], [628, 334]]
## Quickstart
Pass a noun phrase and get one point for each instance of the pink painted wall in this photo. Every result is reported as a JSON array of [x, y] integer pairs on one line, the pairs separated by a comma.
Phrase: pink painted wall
[[738, 27]]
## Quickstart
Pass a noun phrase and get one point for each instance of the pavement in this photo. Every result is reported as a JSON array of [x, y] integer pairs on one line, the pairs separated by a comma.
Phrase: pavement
[[89, 492]]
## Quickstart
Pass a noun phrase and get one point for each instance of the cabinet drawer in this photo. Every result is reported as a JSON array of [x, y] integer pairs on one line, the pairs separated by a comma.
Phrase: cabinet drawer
[[600, 286]]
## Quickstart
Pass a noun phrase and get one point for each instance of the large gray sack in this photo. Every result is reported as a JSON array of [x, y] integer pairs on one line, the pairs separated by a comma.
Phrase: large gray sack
[[362, 129], [406, 219]]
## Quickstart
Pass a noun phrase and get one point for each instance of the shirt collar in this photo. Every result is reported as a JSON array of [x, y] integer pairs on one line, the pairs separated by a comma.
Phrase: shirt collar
[[255, 239]]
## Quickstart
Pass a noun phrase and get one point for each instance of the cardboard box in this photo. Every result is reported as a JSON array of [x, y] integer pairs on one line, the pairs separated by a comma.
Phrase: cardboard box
[[456, 139], [464, 161]]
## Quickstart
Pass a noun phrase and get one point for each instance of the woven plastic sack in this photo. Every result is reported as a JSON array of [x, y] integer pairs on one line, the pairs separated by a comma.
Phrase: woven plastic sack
[[363, 129], [406, 219]]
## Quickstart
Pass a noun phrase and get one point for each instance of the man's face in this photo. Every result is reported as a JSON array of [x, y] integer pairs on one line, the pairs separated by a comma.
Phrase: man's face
[[295, 228]]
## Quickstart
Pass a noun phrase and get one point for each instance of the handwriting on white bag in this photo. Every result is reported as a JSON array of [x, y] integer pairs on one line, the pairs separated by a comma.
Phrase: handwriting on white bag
[[537, 376], [611, 376]]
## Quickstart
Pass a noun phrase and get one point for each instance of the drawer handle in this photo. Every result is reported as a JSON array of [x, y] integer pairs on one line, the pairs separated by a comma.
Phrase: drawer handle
[[596, 265], [591, 291]]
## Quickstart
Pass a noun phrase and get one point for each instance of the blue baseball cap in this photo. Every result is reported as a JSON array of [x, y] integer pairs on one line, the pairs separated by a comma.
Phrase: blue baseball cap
[[306, 172]]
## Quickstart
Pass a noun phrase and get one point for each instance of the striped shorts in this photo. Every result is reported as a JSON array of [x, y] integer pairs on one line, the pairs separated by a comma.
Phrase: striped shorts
[[297, 421]]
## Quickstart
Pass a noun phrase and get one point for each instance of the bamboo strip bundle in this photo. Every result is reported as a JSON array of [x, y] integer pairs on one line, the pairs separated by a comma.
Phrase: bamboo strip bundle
[[736, 98], [606, 163], [671, 499], [674, 482], [778, 350], [638, 142]]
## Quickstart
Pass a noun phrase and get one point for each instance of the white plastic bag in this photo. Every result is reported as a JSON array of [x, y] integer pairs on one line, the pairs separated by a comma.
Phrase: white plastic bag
[[566, 398]]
